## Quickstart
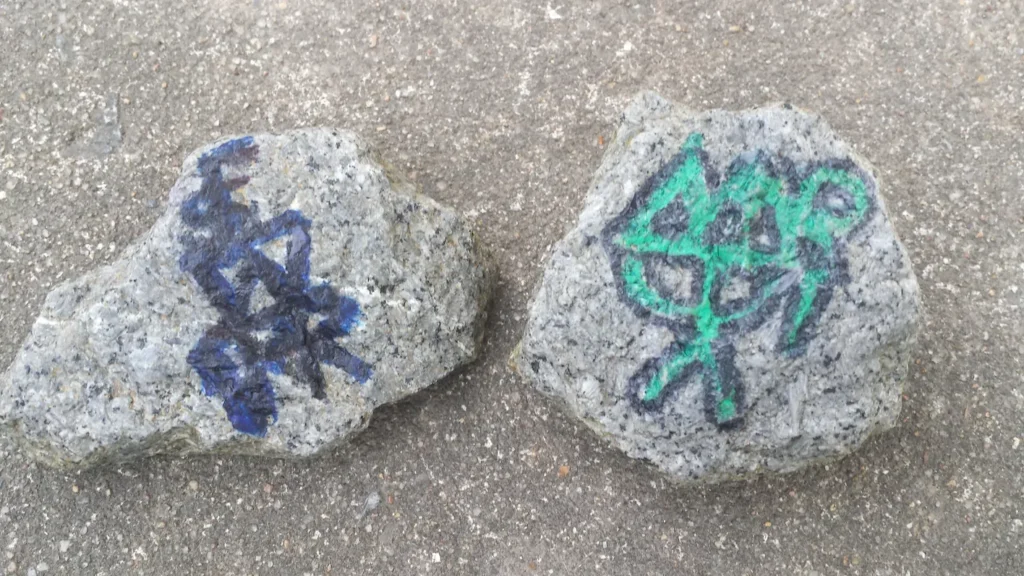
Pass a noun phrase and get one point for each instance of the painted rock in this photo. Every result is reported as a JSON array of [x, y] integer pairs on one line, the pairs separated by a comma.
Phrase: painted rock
[[293, 285], [734, 298]]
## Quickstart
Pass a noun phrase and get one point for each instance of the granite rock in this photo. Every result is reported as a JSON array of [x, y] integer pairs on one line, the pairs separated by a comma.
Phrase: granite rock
[[733, 299], [293, 285]]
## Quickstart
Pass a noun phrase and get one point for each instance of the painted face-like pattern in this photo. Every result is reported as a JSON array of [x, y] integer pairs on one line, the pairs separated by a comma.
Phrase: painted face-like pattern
[[713, 259]]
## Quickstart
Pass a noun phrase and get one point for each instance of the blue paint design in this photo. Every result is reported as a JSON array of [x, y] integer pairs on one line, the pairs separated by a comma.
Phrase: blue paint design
[[225, 253]]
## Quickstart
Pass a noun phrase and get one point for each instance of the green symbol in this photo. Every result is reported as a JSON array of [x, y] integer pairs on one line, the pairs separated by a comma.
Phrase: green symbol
[[713, 261]]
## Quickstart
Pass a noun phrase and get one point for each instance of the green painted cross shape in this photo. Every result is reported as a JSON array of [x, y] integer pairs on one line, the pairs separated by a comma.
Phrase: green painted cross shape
[[712, 264]]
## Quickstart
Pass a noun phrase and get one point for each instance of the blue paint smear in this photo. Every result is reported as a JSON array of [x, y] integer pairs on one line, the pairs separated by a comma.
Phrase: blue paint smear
[[235, 357]]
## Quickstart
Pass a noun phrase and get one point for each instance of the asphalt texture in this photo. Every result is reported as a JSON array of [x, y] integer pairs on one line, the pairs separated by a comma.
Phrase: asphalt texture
[[501, 108]]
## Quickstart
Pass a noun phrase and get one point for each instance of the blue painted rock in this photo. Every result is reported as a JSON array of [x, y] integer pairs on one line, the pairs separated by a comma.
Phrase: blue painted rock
[[733, 299], [293, 285]]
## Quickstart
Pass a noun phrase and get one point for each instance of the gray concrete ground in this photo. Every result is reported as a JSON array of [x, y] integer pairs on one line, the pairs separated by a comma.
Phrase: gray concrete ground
[[500, 108]]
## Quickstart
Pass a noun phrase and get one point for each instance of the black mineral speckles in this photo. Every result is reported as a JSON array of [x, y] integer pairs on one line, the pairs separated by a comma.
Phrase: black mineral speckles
[[727, 226], [672, 221], [764, 231]]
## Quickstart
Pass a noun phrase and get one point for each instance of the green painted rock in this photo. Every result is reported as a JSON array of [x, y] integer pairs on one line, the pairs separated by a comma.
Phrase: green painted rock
[[734, 298]]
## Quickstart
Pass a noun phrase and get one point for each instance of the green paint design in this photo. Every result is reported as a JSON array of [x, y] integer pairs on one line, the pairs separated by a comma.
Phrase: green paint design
[[767, 227]]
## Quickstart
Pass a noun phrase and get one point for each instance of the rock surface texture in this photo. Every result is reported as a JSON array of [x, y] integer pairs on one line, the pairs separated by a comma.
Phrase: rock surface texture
[[293, 285], [733, 299]]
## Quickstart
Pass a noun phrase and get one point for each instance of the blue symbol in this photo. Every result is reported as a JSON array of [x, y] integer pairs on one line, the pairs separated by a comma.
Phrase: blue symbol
[[231, 253]]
